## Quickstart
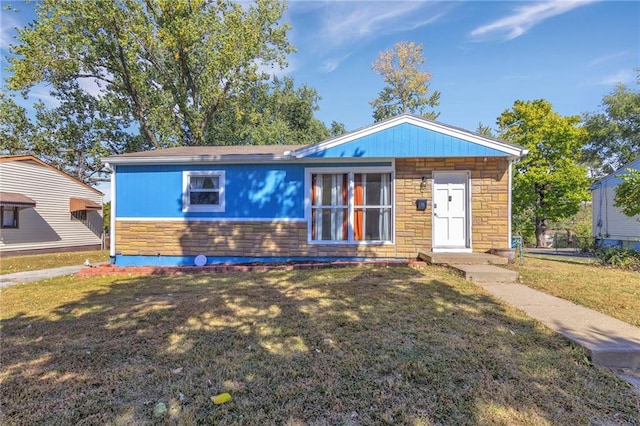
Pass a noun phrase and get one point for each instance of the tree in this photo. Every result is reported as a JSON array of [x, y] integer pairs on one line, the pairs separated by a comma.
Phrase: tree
[[106, 217], [548, 184], [15, 127], [271, 113], [74, 136], [614, 133], [407, 89], [485, 130], [628, 193], [170, 65], [337, 129]]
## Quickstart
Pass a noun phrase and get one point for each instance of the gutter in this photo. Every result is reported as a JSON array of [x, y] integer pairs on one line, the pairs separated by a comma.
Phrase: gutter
[[252, 158]]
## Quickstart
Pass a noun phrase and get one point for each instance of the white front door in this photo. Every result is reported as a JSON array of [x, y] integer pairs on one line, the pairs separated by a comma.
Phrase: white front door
[[451, 211]]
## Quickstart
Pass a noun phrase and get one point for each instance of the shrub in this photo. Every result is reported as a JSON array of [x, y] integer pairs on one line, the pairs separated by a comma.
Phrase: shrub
[[619, 258]]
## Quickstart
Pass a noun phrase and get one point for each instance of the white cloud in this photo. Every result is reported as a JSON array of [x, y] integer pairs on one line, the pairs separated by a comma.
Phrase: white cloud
[[621, 77], [603, 59], [524, 18], [349, 22], [7, 29], [332, 64], [334, 30]]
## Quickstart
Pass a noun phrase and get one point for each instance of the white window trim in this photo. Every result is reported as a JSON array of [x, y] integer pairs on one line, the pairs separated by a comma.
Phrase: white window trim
[[186, 207], [350, 171]]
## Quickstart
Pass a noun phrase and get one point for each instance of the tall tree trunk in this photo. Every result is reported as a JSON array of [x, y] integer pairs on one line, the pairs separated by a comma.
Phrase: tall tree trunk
[[541, 227]]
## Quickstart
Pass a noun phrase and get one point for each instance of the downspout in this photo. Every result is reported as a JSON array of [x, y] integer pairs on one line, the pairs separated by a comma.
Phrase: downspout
[[112, 230], [509, 184]]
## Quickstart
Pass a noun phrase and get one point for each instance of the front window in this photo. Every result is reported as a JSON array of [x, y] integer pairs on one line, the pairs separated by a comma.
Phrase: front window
[[329, 207], [9, 217], [372, 207], [203, 191], [351, 207]]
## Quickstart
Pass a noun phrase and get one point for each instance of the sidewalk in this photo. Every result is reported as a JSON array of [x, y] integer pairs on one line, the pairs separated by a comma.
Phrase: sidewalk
[[611, 342], [28, 276]]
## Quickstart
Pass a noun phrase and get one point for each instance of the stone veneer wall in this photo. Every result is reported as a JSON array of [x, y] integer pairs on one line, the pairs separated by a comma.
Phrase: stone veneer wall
[[289, 239], [489, 203]]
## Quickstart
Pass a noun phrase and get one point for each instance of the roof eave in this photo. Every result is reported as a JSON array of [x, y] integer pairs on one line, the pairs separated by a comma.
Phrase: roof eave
[[196, 159]]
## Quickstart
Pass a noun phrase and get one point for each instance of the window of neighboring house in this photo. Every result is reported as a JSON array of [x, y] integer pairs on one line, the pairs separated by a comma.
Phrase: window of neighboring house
[[80, 215], [203, 191], [351, 207], [9, 217]]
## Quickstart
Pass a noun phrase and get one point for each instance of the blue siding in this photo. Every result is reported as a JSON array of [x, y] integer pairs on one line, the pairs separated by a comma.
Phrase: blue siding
[[626, 244], [271, 191], [405, 141]]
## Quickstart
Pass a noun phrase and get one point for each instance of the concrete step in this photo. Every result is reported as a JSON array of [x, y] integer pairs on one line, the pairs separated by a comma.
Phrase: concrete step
[[486, 273], [461, 258]]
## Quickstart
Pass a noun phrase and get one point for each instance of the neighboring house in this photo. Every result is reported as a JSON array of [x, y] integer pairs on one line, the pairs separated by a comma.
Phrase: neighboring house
[[610, 225], [45, 210], [384, 191]]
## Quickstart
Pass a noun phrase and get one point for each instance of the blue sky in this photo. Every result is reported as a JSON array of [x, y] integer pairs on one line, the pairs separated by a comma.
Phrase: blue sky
[[482, 55]]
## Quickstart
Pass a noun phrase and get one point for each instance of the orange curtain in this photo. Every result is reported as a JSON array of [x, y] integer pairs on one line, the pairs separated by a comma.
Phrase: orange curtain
[[345, 212], [358, 196]]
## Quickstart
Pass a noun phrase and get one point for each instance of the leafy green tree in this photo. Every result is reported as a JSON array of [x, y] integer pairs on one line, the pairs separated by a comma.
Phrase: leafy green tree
[[548, 184], [407, 89], [628, 193], [337, 129], [74, 136], [16, 129], [270, 113], [106, 216], [485, 130], [170, 65], [614, 133]]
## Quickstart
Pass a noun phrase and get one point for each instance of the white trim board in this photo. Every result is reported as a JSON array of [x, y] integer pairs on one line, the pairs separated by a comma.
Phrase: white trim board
[[209, 219]]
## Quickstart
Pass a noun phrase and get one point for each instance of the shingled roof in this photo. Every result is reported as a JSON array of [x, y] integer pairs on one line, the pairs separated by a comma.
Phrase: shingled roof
[[215, 151]]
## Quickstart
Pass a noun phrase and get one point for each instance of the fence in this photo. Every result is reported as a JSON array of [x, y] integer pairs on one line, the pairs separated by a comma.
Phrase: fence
[[565, 240]]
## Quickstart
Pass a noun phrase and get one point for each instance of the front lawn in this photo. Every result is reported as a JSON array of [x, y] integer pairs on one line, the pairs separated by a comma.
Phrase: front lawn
[[612, 291], [336, 346], [9, 265]]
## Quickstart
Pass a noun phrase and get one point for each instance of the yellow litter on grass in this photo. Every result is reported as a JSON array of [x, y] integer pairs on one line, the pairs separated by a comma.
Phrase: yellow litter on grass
[[221, 399]]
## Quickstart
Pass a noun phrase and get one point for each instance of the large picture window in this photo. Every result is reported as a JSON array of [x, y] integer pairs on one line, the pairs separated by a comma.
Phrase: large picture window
[[329, 207], [372, 207], [203, 191], [351, 207]]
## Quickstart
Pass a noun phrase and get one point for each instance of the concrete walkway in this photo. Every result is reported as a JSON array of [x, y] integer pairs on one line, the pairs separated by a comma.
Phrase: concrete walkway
[[28, 276], [611, 343]]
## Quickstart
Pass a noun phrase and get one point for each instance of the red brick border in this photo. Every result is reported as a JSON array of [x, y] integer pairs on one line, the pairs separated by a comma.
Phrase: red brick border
[[106, 270]]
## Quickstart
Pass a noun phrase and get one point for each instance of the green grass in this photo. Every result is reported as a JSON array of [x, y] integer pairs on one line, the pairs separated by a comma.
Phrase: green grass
[[612, 291], [341, 346], [9, 265]]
